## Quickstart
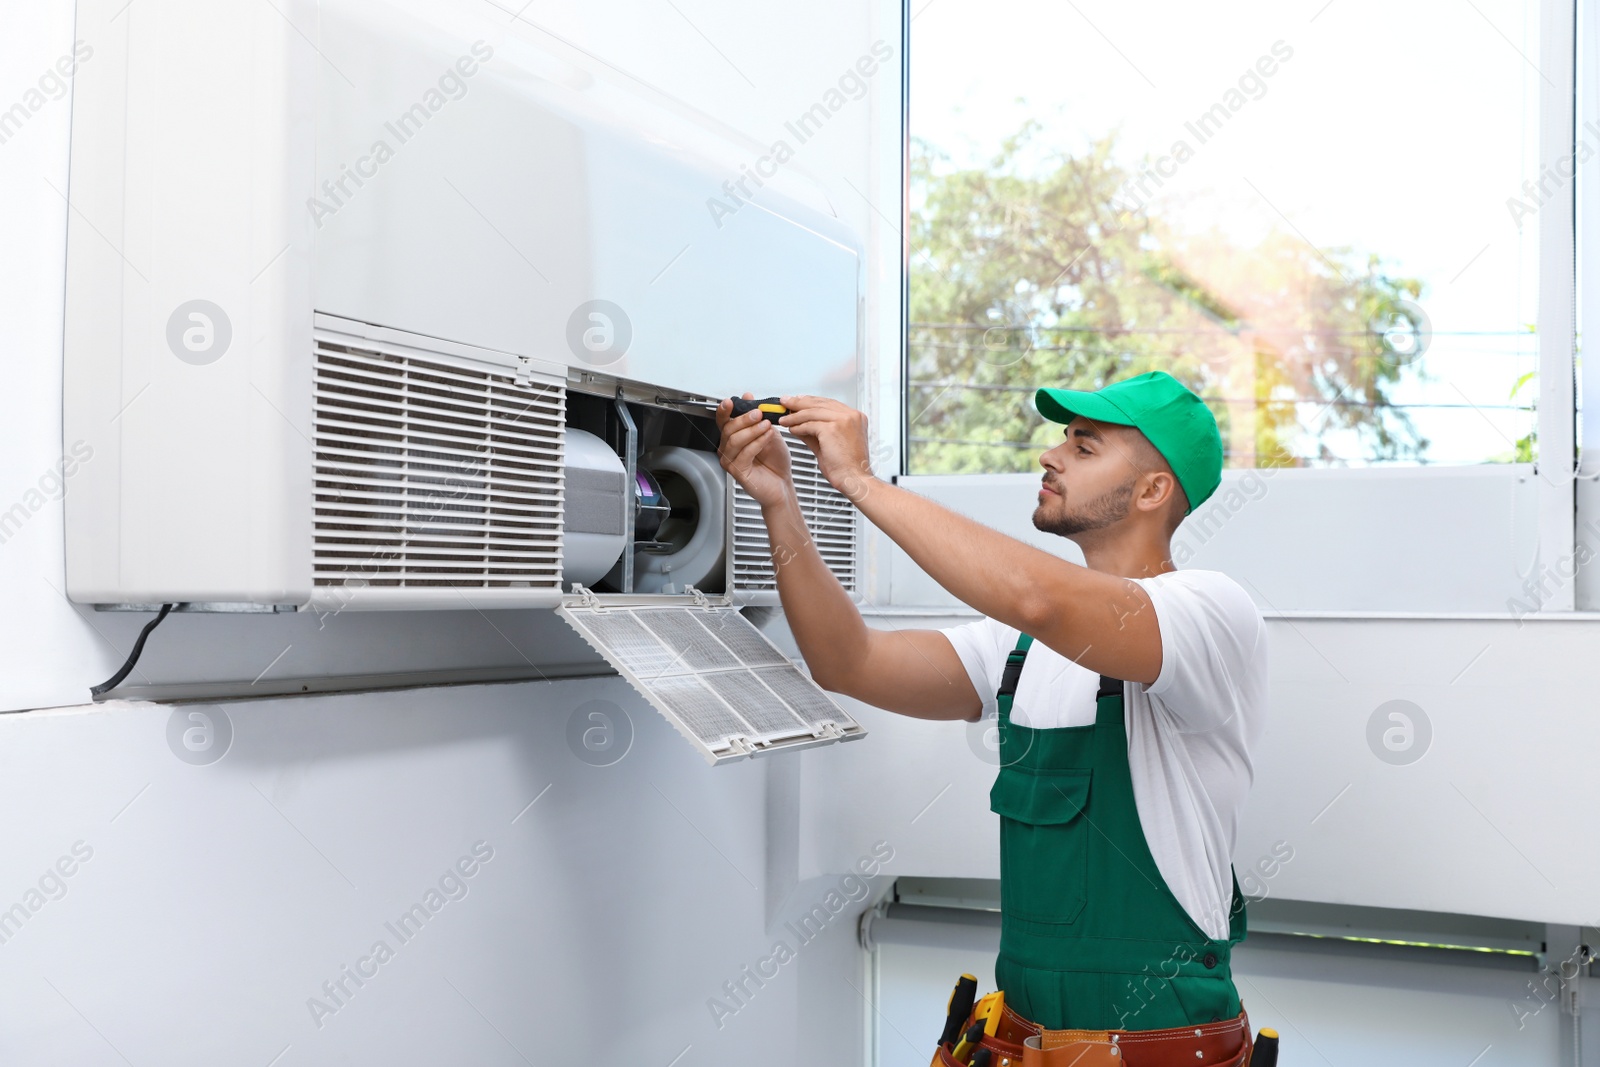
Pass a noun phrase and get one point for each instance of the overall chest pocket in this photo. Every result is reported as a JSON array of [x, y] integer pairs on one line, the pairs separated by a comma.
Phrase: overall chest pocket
[[1044, 842]]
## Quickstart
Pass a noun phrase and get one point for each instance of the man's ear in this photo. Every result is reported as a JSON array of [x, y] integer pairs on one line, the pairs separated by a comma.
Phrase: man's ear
[[1160, 489]]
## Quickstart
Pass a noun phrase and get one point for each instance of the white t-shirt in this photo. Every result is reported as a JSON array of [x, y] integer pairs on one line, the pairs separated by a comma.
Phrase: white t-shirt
[[1190, 732]]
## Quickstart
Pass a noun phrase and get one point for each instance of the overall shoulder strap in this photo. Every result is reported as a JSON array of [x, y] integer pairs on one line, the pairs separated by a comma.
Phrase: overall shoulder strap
[[1013, 671], [1238, 921], [1012, 675]]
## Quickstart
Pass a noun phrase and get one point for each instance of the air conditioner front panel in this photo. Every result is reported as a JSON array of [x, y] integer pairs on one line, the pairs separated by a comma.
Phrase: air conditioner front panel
[[549, 180]]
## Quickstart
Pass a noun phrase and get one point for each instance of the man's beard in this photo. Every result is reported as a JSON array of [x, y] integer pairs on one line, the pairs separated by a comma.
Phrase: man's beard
[[1109, 507]]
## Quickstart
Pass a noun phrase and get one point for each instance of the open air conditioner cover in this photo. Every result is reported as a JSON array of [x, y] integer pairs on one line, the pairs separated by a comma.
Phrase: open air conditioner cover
[[714, 676]]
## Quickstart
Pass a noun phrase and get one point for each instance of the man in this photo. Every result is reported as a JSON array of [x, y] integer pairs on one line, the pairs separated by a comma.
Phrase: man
[[1125, 744]]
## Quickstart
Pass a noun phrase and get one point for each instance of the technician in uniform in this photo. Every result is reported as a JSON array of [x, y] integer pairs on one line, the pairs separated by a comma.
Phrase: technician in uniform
[[1125, 744]]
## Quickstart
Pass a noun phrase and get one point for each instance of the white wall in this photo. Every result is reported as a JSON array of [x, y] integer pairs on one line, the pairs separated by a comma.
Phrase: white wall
[[208, 903]]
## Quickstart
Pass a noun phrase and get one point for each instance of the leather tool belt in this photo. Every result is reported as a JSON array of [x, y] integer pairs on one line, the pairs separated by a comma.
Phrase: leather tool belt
[[1019, 1043]]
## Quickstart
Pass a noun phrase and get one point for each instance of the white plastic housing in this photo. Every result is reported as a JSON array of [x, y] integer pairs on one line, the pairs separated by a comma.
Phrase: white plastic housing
[[214, 215]]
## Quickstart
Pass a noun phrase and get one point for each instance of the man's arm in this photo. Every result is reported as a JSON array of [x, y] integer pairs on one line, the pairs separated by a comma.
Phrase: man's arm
[[913, 672], [1100, 621]]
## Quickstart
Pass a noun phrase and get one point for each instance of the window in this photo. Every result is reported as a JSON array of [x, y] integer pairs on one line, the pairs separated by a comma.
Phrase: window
[[1322, 219]]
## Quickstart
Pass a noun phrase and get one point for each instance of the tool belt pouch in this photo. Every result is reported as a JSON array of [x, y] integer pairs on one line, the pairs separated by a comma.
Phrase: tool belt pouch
[[1064, 1049], [1004, 1053], [1081, 1048], [1005, 1044]]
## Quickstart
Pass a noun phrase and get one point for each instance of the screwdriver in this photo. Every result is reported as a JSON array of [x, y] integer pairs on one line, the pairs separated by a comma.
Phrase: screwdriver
[[1266, 1050], [959, 1007], [962, 1053], [771, 406]]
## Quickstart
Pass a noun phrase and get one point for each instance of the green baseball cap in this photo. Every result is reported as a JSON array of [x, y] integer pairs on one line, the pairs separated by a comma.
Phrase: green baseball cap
[[1162, 408]]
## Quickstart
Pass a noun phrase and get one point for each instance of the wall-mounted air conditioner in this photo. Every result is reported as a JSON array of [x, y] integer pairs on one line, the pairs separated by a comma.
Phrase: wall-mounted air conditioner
[[413, 305]]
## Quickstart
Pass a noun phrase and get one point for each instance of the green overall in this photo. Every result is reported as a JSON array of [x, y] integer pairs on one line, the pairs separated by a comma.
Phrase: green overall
[[1091, 937]]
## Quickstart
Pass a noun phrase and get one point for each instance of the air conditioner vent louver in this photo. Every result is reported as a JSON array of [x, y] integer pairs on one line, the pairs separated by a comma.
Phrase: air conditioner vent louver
[[434, 474], [830, 517]]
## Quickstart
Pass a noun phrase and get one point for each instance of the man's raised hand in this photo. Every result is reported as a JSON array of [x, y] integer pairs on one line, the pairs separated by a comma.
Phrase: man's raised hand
[[753, 452], [837, 434]]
